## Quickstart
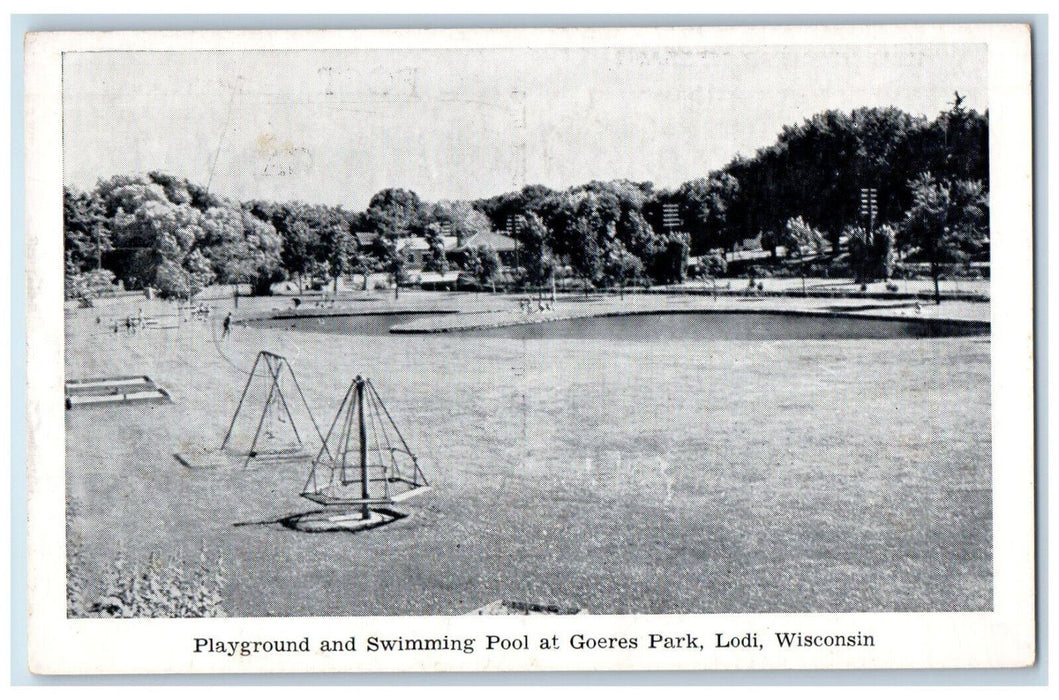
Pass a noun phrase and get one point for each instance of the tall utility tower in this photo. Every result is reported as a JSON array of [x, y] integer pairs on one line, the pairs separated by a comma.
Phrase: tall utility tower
[[869, 205], [671, 217]]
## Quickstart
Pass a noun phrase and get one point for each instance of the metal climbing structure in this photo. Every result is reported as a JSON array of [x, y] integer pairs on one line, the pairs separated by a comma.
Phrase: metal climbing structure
[[267, 444], [364, 460]]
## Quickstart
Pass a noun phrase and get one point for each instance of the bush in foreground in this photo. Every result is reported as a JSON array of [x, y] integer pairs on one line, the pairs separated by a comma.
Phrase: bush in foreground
[[161, 587]]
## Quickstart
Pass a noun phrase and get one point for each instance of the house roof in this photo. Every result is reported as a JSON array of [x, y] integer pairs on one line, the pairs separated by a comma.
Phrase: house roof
[[497, 241], [421, 243], [365, 238]]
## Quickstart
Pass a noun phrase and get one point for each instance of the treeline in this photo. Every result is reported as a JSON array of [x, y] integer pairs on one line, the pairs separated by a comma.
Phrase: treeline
[[801, 195]]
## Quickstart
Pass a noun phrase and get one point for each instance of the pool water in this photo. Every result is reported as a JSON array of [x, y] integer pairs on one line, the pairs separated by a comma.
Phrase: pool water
[[649, 327], [374, 324], [730, 326]]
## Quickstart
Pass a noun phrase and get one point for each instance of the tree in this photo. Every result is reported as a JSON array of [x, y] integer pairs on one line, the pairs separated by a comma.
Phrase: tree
[[160, 226], [266, 250], [182, 191], [955, 146], [295, 246], [341, 249], [536, 258], [86, 234], [703, 206], [799, 238], [88, 285], [635, 233], [871, 253], [158, 245], [946, 224], [484, 263], [314, 239], [621, 267], [364, 263], [181, 280], [393, 261], [583, 249], [668, 262], [395, 212], [531, 199], [298, 245], [463, 219], [241, 248], [586, 225], [816, 169], [225, 246], [435, 260]]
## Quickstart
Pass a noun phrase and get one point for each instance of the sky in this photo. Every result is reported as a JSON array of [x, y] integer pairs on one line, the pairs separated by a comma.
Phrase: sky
[[334, 127]]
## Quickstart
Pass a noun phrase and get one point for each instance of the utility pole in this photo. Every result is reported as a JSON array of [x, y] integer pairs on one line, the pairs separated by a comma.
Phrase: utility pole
[[869, 206], [672, 223], [671, 217], [513, 231], [612, 234]]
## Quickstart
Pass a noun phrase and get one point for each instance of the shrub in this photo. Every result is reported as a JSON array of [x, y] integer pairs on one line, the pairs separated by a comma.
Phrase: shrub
[[839, 268], [713, 264], [625, 269], [871, 253], [89, 285], [261, 285], [160, 587]]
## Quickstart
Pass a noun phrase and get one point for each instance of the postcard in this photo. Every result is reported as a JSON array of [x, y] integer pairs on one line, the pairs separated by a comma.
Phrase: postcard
[[530, 349]]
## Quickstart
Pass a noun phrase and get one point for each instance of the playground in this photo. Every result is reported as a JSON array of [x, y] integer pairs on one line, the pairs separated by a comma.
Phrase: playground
[[650, 475]]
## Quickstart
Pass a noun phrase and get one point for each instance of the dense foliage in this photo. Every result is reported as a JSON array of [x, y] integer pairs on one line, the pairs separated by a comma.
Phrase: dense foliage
[[801, 194], [160, 587]]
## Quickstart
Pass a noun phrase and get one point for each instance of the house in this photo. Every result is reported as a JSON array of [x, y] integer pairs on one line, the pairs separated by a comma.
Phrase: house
[[416, 249], [505, 246]]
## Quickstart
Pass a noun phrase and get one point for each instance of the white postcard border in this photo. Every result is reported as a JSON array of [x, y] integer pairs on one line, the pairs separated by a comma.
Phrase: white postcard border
[[1002, 638]]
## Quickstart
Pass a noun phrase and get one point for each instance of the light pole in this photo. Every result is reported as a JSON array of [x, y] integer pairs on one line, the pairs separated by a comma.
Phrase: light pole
[[612, 234], [869, 205]]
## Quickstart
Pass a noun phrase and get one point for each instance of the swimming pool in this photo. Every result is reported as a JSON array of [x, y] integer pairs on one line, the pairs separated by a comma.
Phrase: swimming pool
[[649, 326], [370, 324]]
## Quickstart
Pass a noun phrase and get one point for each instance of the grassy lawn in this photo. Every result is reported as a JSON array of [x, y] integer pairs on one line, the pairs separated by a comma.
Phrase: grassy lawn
[[633, 477]]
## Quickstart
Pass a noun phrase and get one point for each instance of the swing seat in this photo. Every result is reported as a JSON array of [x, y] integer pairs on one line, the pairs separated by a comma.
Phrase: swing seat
[[274, 457]]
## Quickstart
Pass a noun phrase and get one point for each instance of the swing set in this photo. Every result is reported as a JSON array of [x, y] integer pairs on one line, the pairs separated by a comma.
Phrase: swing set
[[265, 446]]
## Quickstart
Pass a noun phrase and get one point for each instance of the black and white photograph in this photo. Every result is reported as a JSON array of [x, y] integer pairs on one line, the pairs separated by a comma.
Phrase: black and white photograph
[[554, 325]]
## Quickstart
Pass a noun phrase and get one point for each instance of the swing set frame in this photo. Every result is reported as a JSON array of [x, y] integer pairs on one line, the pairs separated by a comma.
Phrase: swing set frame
[[274, 365]]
